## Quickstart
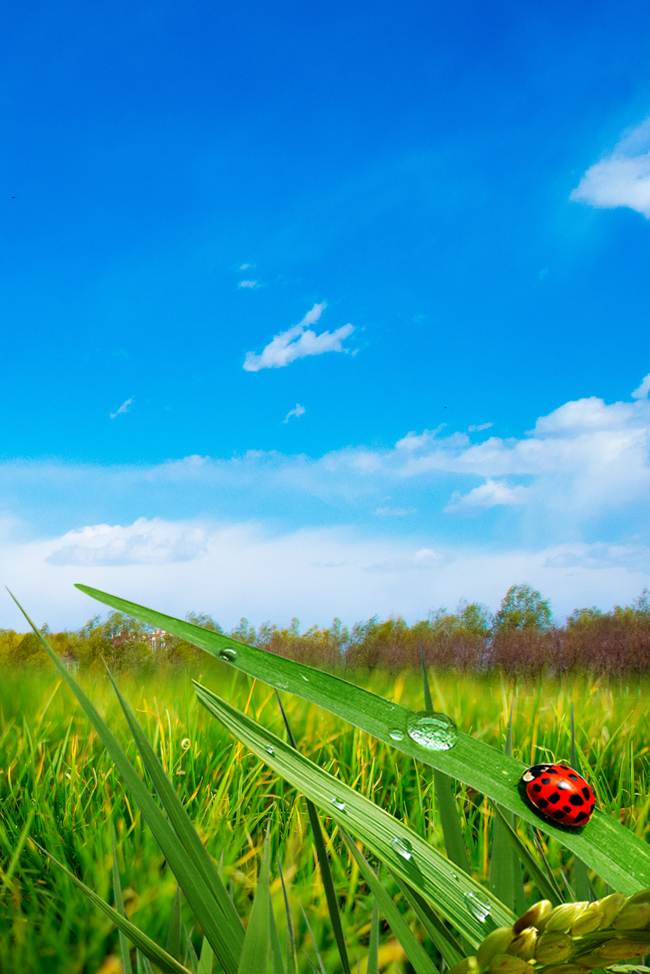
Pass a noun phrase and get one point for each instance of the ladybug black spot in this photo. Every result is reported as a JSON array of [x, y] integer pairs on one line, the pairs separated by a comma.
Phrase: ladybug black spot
[[586, 792], [537, 787], [567, 809], [580, 816], [577, 800], [558, 813], [554, 798], [574, 777], [541, 803], [546, 781]]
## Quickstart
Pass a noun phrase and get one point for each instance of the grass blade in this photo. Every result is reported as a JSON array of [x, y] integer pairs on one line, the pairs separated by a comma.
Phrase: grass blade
[[372, 966], [449, 948], [196, 891], [581, 876], [292, 958], [324, 863], [313, 940], [206, 959], [13, 862], [255, 952], [620, 858], [547, 887], [458, 898], [410, 944], [505, 871], [148, 947], [276, 948], [119, 906], [175, 926]]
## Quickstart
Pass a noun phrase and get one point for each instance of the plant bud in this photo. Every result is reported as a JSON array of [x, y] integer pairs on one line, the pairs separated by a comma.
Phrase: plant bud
[[567, 969], [588, 921], [564, 916], [524, 945], [535, 917], [616, 950], [632, 916], [590, 961], [643, 896], [506, 964], [468, 965], [496, 942], [611, 905], [553, 948]]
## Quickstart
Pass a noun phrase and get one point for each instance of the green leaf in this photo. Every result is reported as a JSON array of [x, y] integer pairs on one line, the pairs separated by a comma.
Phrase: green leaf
[[197, 893], [372, 967], [619, 857], [458, 898], [276, 948], [411, 945], [148, 947], [175, 924], [119, 906], [581, 876], [505, 870], [450, 949], [292, 959], [546, 885], [206, 959], [324, 863], [255, 952], [11, 868]]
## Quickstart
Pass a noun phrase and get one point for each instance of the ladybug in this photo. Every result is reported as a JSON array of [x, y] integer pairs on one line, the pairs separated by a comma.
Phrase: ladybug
[[559, 793]]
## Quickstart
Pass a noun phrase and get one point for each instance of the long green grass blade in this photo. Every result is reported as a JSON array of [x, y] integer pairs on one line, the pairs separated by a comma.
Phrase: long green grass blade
[[13, 862], [183, 826], [457, 897], [142, 964], [581, 876], [324, 863], [546, 886], [255, 952], [620, 858], [197, 893], [173, 945], [410, 944], [148, 947], [292, 959], [206, 959], [119, 906], [505, 870], [276, 947], [450, 949], [372, 966]]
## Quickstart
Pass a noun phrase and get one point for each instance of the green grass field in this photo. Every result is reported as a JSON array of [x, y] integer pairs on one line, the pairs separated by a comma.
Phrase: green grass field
[[52, 762]]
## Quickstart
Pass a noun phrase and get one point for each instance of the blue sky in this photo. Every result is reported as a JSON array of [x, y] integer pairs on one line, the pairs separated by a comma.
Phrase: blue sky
[[324, 310]]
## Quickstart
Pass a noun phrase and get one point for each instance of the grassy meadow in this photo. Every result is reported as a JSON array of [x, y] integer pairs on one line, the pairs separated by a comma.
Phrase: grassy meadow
[[53, 766]]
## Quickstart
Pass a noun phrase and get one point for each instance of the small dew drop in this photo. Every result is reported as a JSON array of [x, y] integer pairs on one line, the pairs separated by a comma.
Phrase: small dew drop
[[435, 732], [396, 734], [227, 654], [337, 803], [454, 875], [504, 771], [403, 847], [186, 743], [305, 678], [477, 907], [269, 749]]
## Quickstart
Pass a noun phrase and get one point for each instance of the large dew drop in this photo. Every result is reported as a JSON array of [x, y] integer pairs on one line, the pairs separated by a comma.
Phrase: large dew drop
[[227, 654], [269, 749], [337, 803], [477, 907], [396, 734], [436, 732], [403, 847]]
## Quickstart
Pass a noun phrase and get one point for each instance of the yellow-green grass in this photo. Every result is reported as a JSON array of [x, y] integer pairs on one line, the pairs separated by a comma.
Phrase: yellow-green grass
[[52, 761]]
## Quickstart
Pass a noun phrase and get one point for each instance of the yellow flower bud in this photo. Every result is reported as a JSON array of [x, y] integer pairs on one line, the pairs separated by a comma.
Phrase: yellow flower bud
[[564, 916], [588, 921], [615, 949], [553, 948], [633, 916], [643, 896], [611, 905], [590, 961], [506, 964], [496, 942], [468, 965], [536, 916], [524, 945]]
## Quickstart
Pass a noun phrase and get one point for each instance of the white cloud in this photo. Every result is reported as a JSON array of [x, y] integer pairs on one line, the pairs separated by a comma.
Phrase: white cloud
[[244, 267], [478, 429], [123, 408], [643, 390], [623, 177], [492, 493], [253, 285], [298, 411], [143, 543], [297, 343], [393, 511]]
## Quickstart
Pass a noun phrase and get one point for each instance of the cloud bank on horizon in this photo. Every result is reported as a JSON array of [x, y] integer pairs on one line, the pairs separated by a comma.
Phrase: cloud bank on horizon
[[621, 178], [567, 509], [296, 342]]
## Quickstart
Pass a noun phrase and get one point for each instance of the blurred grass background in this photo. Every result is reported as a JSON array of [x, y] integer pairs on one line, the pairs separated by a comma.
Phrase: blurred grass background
[[51, 761]]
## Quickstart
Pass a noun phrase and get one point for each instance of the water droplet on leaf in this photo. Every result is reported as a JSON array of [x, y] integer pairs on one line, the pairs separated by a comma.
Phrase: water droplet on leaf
[[269, 749], [477, 907], [338, 804], [305, 678], [403, 847], [396, 734], [436, 732], [227, 654]]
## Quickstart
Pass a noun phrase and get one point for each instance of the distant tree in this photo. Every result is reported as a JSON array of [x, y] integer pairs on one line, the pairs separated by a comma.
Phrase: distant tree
[[204, 621], [523, 608]]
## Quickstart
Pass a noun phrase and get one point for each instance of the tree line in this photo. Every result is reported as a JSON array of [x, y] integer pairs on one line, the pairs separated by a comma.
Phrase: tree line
[[521, 638]]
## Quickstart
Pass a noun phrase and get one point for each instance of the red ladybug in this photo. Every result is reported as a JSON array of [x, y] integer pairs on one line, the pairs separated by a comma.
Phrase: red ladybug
[[560, 793]]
